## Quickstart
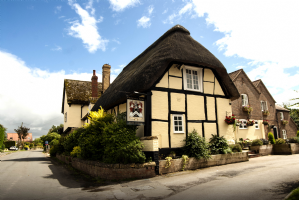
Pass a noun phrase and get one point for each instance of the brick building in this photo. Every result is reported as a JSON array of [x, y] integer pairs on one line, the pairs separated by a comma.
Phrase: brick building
[[256, 95], [14, 137]]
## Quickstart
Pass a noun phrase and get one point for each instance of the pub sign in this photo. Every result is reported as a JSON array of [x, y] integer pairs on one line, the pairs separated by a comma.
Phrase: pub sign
[[135, 111]]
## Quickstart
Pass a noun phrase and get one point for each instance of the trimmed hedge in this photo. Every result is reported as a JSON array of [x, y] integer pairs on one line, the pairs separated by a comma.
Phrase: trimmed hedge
[[9, 144]]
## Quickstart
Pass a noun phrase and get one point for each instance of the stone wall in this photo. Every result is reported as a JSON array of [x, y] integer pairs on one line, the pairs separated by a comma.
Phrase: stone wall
[[111, 171], [285, 149], [193, 163], [262, 150]]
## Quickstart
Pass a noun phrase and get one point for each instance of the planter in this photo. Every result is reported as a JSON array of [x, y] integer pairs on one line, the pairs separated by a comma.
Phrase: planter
[[250, 123], [266, 113], [285, 149], [284, 122], [262, 150], [193, 163], [247, 109]]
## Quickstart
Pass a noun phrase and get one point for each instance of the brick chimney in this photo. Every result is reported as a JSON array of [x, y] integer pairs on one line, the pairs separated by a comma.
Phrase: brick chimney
[[105, 77], [94, 85]]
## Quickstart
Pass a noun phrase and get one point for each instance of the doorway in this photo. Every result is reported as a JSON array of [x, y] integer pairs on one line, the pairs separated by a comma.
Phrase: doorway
[[275, 132]]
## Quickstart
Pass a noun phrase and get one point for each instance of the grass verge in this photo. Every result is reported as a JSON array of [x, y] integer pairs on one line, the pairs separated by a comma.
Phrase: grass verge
[[294, 195]]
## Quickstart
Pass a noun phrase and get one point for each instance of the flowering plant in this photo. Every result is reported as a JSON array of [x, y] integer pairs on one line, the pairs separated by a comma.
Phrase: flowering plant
[[230, 119], [250, 122], [247, 109], [284, 122], [266, 112], [265, 122]]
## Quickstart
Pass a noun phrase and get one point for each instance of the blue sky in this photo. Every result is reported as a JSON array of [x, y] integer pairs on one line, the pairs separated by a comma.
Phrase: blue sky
[[43, 42]]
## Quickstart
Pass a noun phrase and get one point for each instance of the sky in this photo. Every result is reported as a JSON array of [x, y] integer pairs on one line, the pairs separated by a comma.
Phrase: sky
[[44, 42]]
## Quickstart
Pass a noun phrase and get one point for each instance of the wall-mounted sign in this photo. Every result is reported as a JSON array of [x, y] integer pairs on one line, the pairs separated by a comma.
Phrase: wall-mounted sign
[[46, 142], [135, 111]]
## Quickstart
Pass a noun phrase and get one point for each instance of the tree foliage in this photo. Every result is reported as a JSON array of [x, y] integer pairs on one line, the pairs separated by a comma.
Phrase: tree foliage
[[5, 134], [22, 132], [219, 145], [2, 135], [49, 137], [56, 129], [294, 113]]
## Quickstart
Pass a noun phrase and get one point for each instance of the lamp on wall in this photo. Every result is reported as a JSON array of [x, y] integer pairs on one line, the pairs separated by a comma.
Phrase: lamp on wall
[[230, 102]]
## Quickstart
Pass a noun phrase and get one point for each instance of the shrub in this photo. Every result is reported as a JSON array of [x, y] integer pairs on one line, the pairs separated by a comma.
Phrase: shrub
[[196, 146], [27, 143], [54, 142], [53, 150], [271, 138], [31, 145], [257, 142], [76, 152], [293, 140], [8, 144], [72, 140], [218, 145], [297, 134], [26, 147], [265, 142], [235, 147], [280, 141]]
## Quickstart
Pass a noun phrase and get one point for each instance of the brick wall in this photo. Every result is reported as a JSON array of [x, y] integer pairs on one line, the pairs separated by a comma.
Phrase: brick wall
[[111, 171]]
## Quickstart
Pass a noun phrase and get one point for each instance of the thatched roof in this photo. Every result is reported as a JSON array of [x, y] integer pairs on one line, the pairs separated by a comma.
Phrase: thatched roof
[[78, 92], [176, 45]]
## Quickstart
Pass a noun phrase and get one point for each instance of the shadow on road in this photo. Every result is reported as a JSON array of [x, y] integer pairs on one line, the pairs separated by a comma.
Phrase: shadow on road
[[34, 159]]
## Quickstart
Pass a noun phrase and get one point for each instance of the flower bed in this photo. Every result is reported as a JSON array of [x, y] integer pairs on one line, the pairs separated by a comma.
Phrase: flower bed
[[193, 163]]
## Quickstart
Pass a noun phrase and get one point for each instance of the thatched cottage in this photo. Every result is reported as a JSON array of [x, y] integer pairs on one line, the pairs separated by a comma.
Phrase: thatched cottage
[[185, 88]]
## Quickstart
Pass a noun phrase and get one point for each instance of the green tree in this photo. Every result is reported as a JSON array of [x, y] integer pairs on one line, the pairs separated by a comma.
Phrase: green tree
[[55, 129], [1, 137], [5, 134], [22, 132], [294, 113], [37, 141], [49, 137]]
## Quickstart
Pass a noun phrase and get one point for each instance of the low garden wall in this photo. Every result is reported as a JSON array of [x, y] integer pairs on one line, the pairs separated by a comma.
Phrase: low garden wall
[[263, 150], [111, 171], [193, 163], [285, 149]]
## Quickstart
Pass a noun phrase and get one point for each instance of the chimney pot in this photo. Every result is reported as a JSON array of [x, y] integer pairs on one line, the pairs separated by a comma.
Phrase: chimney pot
[[105, 77]]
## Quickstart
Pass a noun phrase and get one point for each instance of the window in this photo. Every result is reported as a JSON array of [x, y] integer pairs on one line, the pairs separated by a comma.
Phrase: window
[[281, 115], [244, 99], [256, 125], [28, 138], [192, 78], [243, 124], [178, 125], [65, 117], [284, 134], [10, 138], [264, 105]]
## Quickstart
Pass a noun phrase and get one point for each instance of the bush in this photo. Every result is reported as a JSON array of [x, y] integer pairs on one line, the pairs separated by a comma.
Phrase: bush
[[218, 145], [26, 147], [265, 142], [76, 152], [235, 147], [297, 133], [53, 150], [31, 145], [271, 138], [72, 140], [293, 140], [27, 143], [196, 146], [257, 142], [54, 142], [8, 144], [280, 141]]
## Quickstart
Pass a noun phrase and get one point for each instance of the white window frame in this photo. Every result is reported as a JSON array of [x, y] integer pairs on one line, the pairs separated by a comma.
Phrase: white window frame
[[183, 124], [243, 124], [256, 124], [244, 99], [199, 75], [284, 134], [264, 105], [281, 115]]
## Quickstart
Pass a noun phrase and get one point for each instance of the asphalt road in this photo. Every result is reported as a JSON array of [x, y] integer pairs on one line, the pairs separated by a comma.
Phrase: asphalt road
[[31, 175]]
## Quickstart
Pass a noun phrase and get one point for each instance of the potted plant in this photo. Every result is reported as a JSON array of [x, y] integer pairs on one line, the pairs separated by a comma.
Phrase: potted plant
[[172, 154], [230, 119], [247, 109], [250, 123], [284, 122], [266, 112], [265, 122]]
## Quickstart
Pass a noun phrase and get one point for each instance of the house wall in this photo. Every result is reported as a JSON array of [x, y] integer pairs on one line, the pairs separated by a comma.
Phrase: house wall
[[291, 128], [66, 110], [251, 132], [202, 111]]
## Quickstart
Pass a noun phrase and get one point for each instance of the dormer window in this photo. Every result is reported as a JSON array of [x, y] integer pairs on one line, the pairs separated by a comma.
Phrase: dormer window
[[244, 99], [192, 78], [264, 105]]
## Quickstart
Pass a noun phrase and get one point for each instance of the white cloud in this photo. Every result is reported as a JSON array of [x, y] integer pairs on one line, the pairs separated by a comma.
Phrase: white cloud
[[264, 32], [177, 16], [115, 40], [120, 5], [61, 17], [144, 22], [150, 9], [113, 49], [31, 95], [57, 9], [165, 11], [240, 67], [57, 48], [87, 30], [122, 65]]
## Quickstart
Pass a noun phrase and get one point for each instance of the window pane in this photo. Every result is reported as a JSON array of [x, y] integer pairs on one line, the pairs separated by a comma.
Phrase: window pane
[[176, 128], [180, 128], [180, 123], [195, 80], [175, 122], [179, 118], [175, 118]]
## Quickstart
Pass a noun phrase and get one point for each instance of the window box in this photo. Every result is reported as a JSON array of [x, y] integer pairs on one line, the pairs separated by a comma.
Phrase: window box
[[247, 109], [266, 113], [250, 122], [230, 119], [284, 122], [265, 122]]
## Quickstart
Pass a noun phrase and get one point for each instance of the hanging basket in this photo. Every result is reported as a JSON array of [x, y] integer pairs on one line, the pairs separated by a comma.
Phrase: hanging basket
[[284, 122], [266, 113]]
